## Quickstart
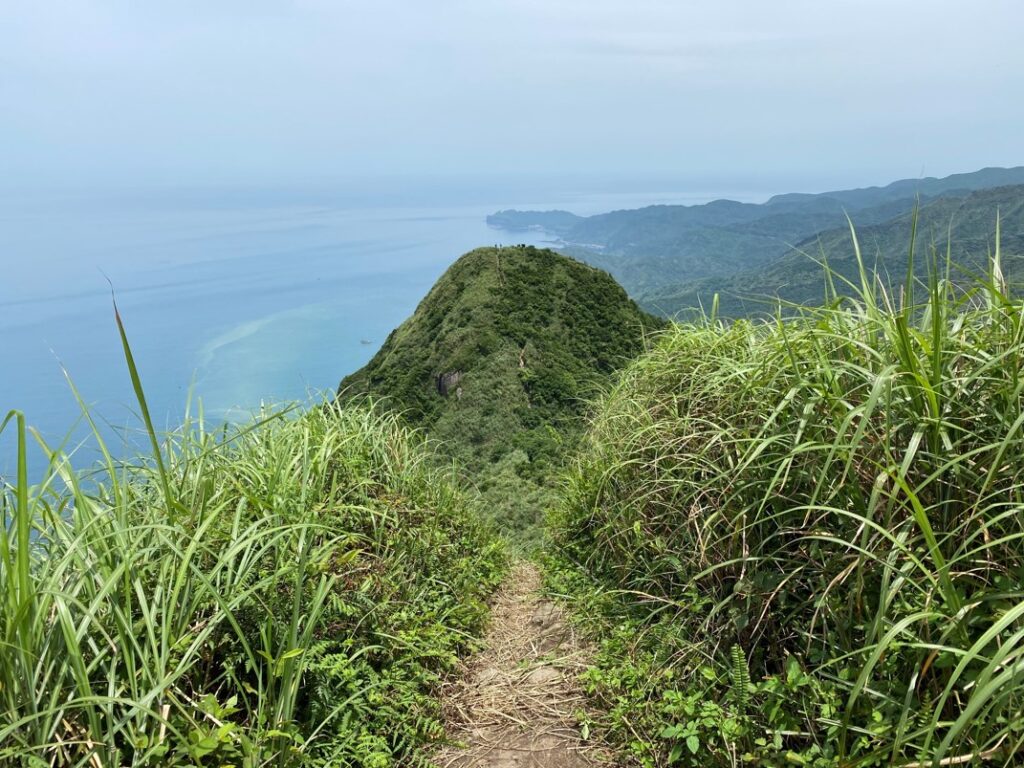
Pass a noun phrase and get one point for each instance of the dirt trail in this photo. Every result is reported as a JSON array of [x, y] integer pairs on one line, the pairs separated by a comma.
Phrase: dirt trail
[[515, 705]]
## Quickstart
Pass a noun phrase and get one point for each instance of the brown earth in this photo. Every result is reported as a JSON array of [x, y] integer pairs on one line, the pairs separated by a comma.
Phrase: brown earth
[[517, 703]]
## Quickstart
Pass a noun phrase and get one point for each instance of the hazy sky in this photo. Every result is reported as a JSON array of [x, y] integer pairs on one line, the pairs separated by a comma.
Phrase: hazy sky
[[196, 91]]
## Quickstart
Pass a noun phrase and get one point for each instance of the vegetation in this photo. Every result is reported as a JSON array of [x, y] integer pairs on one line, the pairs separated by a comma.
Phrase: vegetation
[[661, 253], [961, 224], [555, 222], [497, 364], [803, 539], [796, 540], [287, 593]]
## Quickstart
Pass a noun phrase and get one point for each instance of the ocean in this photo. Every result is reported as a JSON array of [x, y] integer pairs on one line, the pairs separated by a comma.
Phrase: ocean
[[234, 297]]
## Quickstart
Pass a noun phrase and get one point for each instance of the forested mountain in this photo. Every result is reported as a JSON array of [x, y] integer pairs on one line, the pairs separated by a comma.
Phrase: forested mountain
[[653, 250], [497, 361], [967, 225], [986, 178], [554, 222]]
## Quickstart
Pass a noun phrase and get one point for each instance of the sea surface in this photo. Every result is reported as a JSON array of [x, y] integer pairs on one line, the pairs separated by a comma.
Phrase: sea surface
[[233, 297]]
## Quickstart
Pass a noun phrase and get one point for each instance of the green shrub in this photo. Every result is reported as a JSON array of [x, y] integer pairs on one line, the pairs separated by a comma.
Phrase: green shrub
[[833, 502]]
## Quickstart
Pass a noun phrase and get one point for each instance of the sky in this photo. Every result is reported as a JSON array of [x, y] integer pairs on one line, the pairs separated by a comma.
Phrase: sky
[[97, 92]]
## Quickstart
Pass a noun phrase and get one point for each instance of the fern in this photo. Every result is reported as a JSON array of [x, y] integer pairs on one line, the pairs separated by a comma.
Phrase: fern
[[739, 674]]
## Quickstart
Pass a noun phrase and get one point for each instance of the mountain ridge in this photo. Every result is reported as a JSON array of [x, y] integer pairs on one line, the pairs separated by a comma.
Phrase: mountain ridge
[[983, 178], [496, 362], [654, 248], [966, 225]]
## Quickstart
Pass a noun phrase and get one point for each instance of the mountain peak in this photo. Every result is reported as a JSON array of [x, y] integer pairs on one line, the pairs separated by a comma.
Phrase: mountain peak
[[498, 358]]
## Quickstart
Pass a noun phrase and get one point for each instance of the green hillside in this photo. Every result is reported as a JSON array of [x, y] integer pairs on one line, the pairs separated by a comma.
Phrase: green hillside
[[797, 277], [650, 247], [554, 222], [497, 363], [651, 250], [801, 542], [854, 199], [288, 592], [791, 541]]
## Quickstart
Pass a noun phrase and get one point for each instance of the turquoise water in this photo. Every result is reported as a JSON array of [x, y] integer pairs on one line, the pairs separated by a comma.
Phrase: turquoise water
[[238, 296]]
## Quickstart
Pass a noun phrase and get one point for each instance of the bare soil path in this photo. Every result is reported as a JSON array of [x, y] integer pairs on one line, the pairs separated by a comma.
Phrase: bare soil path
[[516, 705]]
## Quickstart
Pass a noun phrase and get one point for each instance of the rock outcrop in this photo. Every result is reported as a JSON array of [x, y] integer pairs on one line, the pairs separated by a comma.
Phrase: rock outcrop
[[448, 383]]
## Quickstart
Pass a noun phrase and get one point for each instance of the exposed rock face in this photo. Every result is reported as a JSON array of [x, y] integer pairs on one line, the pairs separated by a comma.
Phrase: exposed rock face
[[449, 382]]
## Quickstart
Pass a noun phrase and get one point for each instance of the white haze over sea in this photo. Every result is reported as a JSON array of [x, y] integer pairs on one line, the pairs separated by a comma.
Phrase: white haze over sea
[[240, 296]]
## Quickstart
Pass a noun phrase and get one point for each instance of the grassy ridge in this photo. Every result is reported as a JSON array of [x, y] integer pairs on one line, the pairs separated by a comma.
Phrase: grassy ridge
[[806, 539], [286, 593], [530, 335]]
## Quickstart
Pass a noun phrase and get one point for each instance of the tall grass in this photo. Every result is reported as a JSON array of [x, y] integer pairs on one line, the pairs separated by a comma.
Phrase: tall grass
[[832, 504], [277, 594]]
